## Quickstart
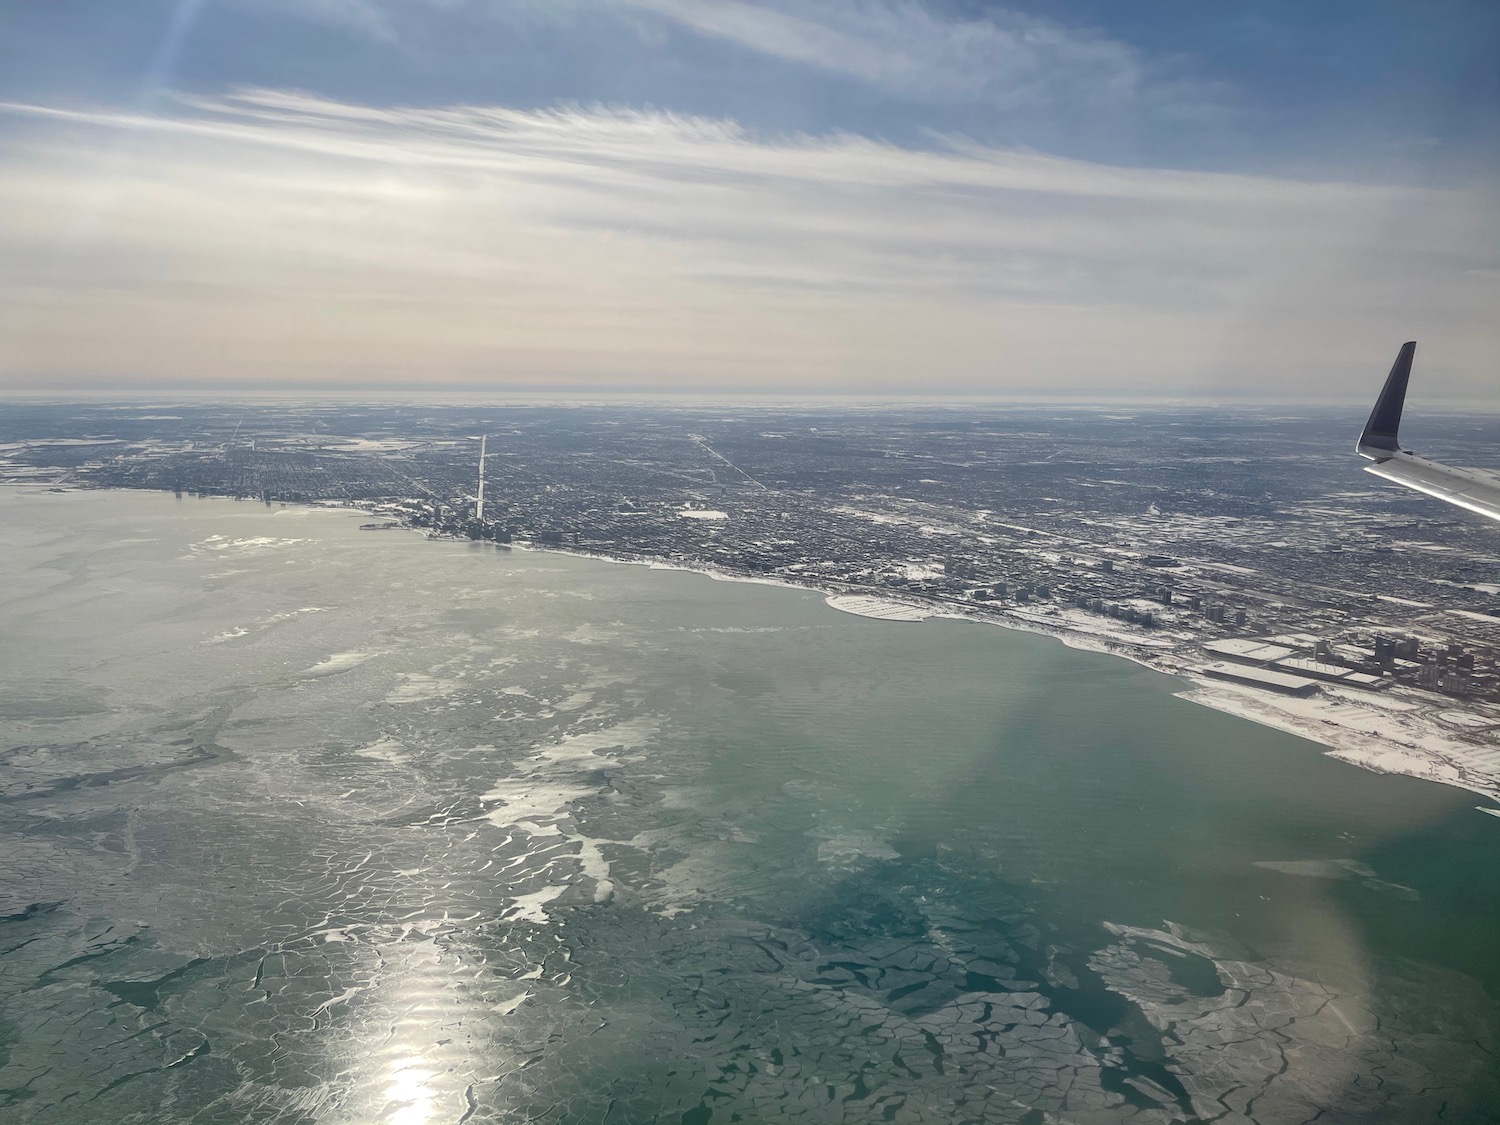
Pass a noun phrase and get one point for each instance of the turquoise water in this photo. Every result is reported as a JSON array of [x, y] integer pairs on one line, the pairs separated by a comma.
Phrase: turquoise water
[[306, 823]]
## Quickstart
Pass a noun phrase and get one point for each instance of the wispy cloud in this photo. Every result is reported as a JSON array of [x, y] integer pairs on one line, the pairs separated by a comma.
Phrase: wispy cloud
[[1037, 74], [278, 234], [905, 46]]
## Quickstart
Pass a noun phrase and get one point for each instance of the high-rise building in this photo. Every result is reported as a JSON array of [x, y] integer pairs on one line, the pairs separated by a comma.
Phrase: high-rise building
[[479, 496]]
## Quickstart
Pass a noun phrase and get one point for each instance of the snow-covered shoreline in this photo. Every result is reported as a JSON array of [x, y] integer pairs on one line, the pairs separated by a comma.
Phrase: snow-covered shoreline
[[1420, 749], [1409, 743], [1341, 723], [1377, 733]]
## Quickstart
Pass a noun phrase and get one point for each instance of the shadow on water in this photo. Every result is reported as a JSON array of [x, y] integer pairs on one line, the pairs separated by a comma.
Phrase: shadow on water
[[1453, 866], [1115, 814]]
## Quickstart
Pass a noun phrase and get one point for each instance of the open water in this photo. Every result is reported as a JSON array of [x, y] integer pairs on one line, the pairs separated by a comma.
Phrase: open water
[[306, 823]]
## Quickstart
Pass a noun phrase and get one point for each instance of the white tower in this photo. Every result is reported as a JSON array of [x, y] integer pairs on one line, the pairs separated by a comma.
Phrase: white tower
[[479, 500]]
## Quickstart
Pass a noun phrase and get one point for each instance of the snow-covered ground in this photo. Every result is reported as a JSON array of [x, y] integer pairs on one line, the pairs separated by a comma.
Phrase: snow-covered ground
[[1404, 732], [881, 608], [1384, 734]]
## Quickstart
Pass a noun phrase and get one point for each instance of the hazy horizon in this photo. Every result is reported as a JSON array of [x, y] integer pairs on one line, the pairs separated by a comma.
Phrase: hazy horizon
[[140, 397], [890, 198]]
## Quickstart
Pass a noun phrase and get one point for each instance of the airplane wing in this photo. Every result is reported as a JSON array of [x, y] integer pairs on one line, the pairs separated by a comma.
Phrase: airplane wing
[[1478, 490]]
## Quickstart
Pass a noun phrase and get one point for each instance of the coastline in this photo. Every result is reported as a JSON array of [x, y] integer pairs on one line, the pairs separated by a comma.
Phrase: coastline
[[1342, 722], [1339, 723]]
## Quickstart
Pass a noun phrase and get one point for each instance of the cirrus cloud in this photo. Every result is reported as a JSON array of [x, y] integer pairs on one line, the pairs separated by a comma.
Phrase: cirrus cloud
[[272, 235]]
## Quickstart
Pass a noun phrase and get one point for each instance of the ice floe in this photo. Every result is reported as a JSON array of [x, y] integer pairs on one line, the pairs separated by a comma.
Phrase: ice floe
[[335, 664]]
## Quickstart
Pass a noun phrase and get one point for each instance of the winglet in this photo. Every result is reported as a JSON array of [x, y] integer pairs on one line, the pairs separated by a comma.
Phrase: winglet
[[1378, 441]]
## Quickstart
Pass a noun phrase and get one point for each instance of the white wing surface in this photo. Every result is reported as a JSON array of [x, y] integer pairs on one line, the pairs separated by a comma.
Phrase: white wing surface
[[1477, 490]]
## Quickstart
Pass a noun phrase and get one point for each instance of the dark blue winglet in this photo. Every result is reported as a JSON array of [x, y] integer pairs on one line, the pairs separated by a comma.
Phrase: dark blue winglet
[[1379, 436]]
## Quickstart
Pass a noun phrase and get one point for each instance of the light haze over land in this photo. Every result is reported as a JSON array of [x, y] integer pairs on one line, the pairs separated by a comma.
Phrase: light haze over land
[[346, 348], [719, 196]]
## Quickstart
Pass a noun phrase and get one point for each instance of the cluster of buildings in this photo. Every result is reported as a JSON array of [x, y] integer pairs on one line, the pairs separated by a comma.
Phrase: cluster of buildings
[[1151, 529], [1297, 663]]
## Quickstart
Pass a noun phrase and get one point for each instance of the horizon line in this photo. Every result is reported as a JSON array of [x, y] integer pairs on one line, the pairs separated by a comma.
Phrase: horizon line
[[576, 396]]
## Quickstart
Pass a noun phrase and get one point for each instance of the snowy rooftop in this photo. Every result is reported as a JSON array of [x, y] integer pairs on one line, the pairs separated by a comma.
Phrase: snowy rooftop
[[1254, 650], [1261, 677]]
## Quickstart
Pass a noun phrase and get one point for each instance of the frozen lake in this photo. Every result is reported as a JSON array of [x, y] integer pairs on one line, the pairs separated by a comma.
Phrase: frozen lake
[[302, 823]]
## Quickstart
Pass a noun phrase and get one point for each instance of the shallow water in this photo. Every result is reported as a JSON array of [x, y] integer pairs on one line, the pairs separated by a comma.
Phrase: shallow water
[[305, 823]]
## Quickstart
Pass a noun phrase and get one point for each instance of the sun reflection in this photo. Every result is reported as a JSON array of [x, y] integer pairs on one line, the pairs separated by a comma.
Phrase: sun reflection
[[409, 1089], [413, 1047]]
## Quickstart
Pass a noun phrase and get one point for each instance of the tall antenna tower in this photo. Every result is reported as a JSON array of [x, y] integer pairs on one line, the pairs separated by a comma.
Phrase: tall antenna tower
[[479, 499]]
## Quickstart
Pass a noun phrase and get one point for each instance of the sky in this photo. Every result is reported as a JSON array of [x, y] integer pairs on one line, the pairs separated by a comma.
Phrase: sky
[[1070, 198]]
